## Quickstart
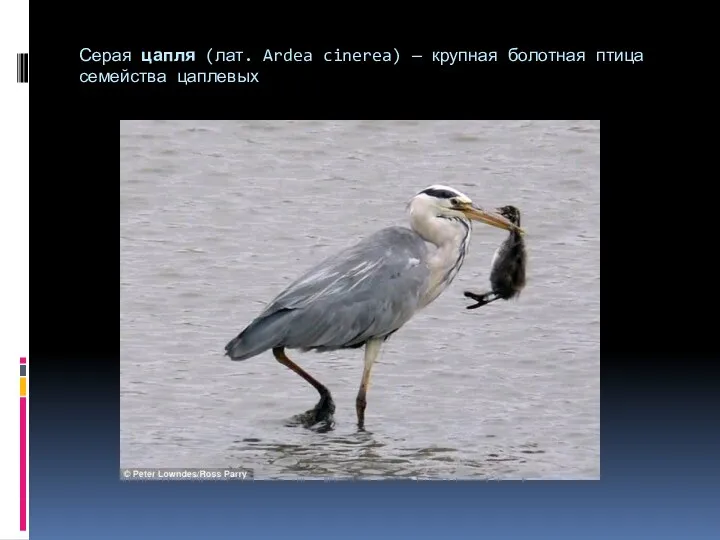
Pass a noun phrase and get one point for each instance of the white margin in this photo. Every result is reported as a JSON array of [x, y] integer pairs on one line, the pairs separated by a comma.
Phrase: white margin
[[14, 262]]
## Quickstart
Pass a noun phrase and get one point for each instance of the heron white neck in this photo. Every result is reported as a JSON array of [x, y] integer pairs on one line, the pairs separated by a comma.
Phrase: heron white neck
[[451, 236]]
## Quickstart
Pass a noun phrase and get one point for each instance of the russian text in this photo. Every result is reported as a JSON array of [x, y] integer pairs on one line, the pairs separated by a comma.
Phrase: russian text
[[217, 77], [124, 76], [225, 56], [542, 56], [106, 57], [619, 56], [168, 56], [464, 56]]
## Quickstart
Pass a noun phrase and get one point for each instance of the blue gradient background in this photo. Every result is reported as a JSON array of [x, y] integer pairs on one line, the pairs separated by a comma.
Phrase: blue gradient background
[[660, 441]]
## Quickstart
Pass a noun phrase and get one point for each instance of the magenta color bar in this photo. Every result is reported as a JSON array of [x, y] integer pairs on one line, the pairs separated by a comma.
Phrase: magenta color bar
[[23, 360], [23, 464]]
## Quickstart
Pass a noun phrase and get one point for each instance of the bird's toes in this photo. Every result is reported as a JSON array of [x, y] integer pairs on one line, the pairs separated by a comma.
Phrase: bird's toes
[[319, 418], [323, 426]]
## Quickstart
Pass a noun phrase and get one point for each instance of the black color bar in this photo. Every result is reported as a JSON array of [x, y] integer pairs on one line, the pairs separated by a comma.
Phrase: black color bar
[[22, 67]]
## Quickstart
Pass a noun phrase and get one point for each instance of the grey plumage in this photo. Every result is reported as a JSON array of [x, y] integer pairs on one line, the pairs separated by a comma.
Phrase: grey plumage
[[367, 290]]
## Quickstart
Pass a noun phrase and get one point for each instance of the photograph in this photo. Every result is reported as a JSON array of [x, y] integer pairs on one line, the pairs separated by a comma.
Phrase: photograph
[[361, 299]]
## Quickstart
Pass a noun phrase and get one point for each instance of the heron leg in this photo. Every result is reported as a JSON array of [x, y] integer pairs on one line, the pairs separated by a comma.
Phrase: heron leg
[[325, 407], [372, 350]]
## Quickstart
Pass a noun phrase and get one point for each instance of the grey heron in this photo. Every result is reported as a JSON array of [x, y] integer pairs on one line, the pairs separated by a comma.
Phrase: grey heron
[[507, 274], [365, 293]]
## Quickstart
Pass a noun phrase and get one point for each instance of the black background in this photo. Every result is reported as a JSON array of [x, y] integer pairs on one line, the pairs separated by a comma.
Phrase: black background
[[659, 391]]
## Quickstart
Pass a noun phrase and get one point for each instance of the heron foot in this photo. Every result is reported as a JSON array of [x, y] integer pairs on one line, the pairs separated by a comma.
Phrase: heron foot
[[324, 409], [319, 418]]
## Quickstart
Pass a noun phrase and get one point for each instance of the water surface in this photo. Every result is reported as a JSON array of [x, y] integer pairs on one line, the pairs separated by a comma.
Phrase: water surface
[[216, 218]]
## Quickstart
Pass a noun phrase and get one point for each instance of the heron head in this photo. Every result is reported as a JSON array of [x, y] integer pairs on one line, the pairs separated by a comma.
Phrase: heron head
[[449, 202]]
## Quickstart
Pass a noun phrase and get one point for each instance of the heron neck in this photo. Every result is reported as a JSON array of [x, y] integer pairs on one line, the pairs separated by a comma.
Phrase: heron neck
[[445, 262]]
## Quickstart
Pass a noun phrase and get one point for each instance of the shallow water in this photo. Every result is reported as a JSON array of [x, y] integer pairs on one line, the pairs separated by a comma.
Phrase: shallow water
[[216, 218]]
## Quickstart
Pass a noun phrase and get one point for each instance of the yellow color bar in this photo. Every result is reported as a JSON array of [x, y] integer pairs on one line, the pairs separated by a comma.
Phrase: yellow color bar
[[23, 386]]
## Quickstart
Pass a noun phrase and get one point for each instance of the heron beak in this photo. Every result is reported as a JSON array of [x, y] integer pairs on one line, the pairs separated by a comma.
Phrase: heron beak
[[490, 218]]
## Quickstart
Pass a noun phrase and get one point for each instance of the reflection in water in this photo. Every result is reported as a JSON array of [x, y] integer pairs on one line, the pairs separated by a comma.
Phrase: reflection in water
[[362, 455]]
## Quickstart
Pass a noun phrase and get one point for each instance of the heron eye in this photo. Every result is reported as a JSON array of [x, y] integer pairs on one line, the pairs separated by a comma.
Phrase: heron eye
[[454, 201]]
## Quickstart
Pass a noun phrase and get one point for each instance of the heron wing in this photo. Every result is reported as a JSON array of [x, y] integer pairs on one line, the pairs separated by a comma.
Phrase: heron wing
[[367, 290]]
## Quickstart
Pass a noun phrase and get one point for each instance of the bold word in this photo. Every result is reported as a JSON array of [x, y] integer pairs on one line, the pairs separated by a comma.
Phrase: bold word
[[168, 56]]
